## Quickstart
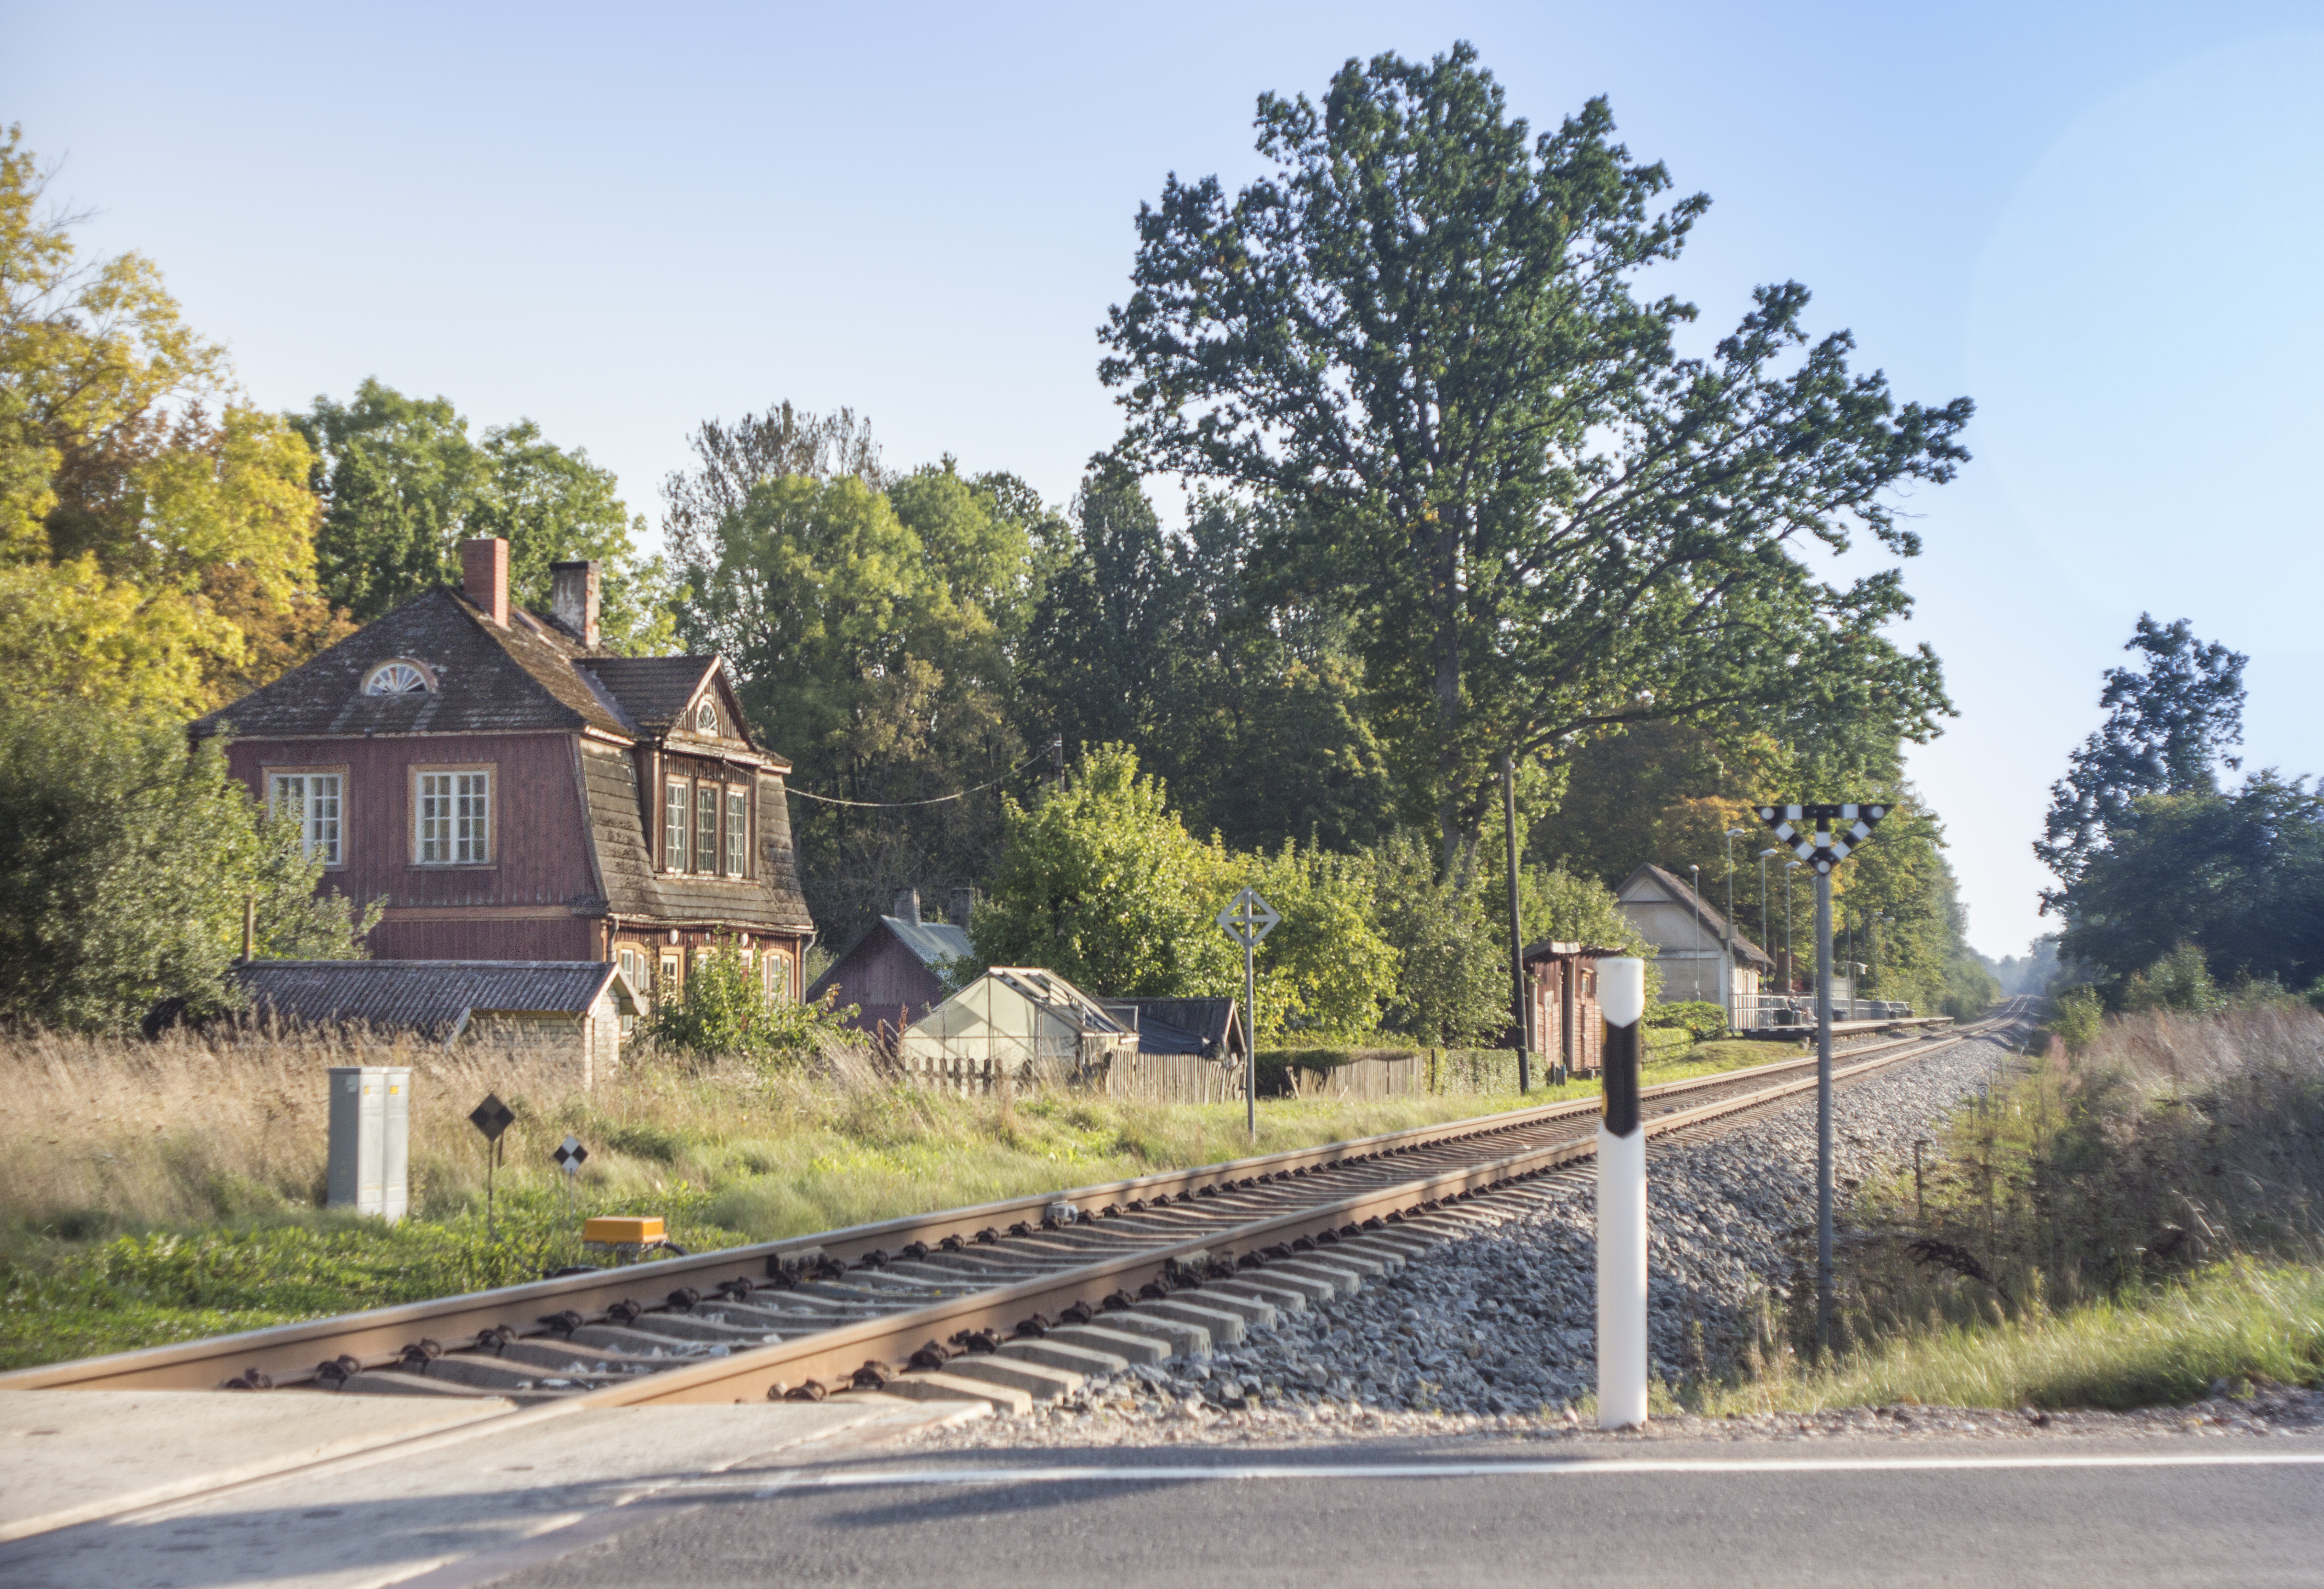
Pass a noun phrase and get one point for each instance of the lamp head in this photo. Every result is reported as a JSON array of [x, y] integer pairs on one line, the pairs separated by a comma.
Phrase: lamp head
[[1735, 833], [1769, 852]]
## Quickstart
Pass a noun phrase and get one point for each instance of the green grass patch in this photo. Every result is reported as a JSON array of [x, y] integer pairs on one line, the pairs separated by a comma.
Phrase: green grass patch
[[2242, 1322]]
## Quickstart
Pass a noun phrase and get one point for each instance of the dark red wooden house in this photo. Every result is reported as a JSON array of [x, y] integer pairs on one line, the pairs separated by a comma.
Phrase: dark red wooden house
[[510, 791], [896, 973]]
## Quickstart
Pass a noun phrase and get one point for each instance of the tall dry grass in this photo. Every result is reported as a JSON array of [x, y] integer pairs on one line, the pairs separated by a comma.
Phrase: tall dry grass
[[2097, 1229], [103, 1135]]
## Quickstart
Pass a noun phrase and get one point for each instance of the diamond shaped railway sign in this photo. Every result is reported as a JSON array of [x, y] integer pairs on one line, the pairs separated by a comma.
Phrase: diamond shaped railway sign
[[1248, 919], [569, 1154], [491, 1117], [1807, 831]]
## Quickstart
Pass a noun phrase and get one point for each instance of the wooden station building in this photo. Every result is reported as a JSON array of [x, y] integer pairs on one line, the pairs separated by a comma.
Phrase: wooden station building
[[510, 791]]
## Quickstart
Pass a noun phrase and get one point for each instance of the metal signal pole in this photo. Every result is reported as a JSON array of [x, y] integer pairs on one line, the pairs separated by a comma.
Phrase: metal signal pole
[[1823, 1110], [1822, 850]]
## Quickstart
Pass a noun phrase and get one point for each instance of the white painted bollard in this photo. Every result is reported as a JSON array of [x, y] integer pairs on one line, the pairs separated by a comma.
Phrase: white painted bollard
[[1622, 1202]]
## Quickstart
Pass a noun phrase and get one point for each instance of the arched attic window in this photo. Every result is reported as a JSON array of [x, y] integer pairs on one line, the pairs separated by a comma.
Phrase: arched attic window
[[705, 718], [399, 677]]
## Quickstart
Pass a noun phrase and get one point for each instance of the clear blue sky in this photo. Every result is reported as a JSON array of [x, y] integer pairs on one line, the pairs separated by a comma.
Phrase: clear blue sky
[[2099, 221]]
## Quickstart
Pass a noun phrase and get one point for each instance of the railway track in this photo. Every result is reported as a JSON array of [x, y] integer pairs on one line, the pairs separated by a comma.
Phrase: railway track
[[1005, 1300]]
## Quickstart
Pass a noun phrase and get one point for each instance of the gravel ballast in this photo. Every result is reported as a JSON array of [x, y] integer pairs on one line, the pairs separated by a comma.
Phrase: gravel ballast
[[1493, 1330]]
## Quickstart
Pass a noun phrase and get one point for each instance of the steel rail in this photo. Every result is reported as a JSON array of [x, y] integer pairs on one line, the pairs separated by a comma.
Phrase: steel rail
[[837, 1354], [378, 1337]]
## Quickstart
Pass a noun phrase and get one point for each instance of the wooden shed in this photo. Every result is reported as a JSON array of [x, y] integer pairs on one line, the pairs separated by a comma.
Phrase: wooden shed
[[577, 1009], [1017, 1023], [1210, 1028], [898, 972], [1568, 1025]]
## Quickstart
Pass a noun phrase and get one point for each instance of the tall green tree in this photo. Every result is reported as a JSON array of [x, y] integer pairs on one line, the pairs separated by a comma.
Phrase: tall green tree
[[2239, 875], [871, 634], [1255, 714], [1101, 883], [2169, 721], [1419, 332], [402, 485]]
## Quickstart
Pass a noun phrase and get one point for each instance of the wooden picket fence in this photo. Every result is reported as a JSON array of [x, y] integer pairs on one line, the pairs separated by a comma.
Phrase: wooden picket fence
[[1173, 1078]]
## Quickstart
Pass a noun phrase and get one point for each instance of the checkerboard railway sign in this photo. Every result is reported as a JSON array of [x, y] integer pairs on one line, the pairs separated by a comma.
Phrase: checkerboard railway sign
[[1808, 833]]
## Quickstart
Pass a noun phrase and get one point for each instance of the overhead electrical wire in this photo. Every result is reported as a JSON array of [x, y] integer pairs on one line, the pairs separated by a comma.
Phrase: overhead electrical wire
[[1049, 750]]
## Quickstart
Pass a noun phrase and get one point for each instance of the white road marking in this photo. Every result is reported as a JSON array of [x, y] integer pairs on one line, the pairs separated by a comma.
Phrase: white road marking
[[764, 1488]]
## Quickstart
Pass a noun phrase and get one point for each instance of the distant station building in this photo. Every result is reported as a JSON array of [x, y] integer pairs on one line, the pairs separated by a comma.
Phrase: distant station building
[[1698, 955]]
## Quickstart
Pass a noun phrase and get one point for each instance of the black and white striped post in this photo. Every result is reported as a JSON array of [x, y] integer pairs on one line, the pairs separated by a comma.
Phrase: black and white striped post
[[1621, 1201], [1820, 848]]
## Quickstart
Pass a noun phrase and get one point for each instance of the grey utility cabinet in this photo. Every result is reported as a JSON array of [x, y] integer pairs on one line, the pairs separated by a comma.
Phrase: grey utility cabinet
[[371, 1140]]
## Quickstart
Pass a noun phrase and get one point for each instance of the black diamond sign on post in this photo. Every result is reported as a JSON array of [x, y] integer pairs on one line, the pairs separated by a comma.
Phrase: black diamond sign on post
[[1820, 848], [491, 1117]]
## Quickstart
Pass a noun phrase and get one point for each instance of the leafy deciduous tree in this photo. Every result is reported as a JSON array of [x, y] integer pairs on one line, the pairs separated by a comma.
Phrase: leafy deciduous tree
[[402, 485], [2169, 723], [1419, 333]]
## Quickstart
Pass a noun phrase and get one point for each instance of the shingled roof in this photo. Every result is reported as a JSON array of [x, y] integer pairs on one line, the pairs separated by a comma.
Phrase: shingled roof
[[436, 998], [652, 691], [1212, 1028], [489, 680]]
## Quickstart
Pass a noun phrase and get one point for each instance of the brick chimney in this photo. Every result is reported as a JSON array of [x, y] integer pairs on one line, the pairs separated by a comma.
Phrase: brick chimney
[[908, 906], [964, 904], [483, 575], [573, 600]]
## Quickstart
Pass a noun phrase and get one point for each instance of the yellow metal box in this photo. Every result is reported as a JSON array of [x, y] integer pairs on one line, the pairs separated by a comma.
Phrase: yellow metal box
[[623, 1232]]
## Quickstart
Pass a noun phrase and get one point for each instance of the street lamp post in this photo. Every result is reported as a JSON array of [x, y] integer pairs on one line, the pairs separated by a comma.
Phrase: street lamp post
[[1791, 966], [1695, 884], [1765, 937], [1727, 970]]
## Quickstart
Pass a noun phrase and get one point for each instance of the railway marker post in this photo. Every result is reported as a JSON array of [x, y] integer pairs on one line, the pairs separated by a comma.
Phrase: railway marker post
[[569, 1156], [1621, 1201], [492, 1118], [1247, 919], [1819, 848]]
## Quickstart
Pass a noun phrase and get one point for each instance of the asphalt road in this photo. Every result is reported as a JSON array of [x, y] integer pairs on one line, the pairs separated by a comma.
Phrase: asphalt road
[[2248, 1513]]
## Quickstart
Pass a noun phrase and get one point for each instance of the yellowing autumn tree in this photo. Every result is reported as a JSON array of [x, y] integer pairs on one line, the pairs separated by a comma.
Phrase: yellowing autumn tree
[[156, 532]]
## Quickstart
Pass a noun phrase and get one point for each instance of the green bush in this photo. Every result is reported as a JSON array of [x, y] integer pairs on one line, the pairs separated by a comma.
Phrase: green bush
[[2075, 1017], [725, 1010], [1703, 1021]]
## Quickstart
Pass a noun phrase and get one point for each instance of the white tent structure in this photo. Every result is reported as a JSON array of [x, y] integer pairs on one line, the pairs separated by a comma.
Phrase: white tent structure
[[1017, 1023]]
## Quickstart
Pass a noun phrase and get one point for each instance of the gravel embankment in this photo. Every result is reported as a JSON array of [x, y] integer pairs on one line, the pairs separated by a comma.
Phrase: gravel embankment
[[1494, 1329]]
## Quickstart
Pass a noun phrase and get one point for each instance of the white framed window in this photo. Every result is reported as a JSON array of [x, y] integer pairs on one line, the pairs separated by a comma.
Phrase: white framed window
[[676, 803], [705, 718], [399, 676], [778, 968], [738, 830], [452, 817], [706, 828], [673, 974], [632, 962], [314, 801]]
